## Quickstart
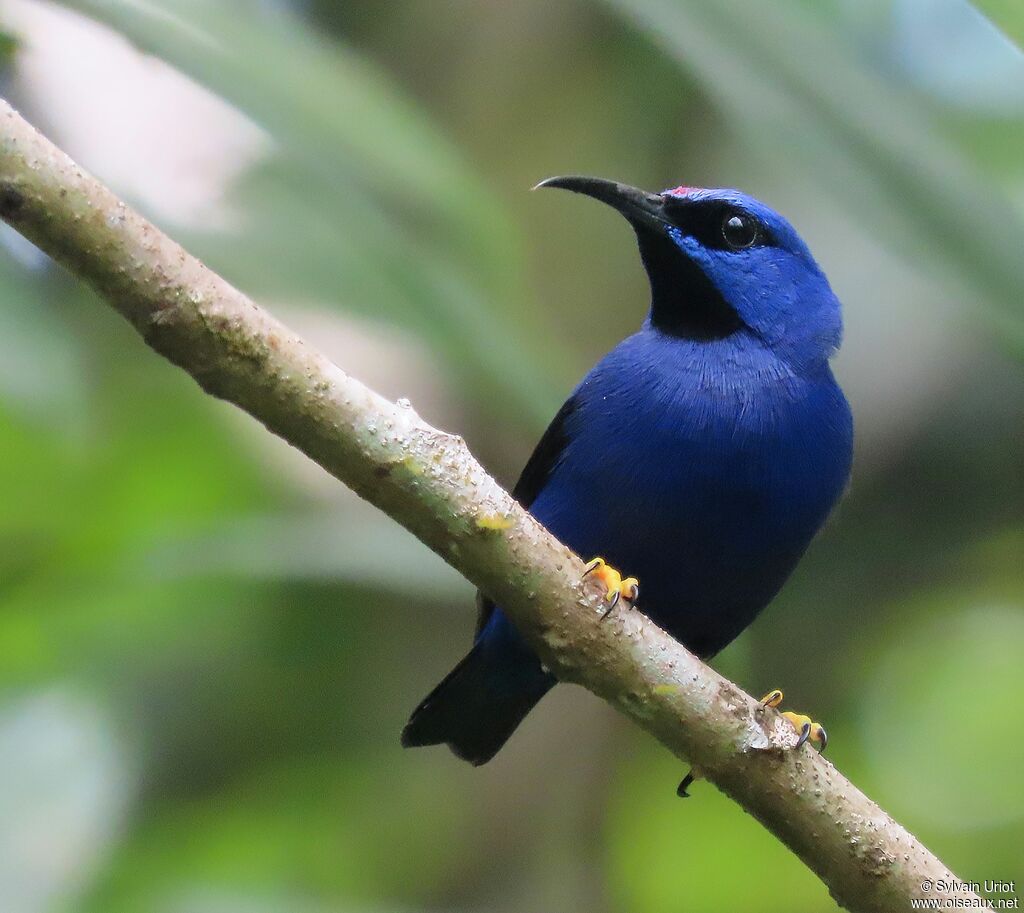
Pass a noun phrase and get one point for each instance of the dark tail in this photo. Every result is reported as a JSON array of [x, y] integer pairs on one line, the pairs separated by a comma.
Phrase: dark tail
[[479, 703]]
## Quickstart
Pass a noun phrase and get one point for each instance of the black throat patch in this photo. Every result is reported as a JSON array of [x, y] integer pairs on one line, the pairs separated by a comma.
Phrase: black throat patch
[[684, 302]]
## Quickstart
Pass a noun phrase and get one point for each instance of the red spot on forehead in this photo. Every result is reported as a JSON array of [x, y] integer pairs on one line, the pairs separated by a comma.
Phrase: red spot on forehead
[[682, 190]]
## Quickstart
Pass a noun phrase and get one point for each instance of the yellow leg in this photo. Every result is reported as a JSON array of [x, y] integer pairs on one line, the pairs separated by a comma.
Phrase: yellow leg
[[809, 730], [615, 585]]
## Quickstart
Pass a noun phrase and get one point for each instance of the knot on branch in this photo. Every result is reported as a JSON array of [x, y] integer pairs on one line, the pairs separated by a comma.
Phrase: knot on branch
[[11, 200]]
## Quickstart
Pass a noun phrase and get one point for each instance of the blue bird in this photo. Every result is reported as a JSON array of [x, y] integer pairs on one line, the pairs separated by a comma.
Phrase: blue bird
[[701, 454]]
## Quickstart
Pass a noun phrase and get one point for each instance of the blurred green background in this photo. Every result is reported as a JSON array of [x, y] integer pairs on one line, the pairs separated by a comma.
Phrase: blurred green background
[[208, 647]]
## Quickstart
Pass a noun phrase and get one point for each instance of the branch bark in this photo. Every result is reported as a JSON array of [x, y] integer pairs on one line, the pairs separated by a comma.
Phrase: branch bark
[[429, 482]]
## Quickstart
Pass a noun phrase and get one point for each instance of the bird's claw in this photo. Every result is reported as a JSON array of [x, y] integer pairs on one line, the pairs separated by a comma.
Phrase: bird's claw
[[694, 774], [615, 585], [809, 730]]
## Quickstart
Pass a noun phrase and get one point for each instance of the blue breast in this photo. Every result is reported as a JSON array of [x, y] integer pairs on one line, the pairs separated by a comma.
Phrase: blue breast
[[703, 469]]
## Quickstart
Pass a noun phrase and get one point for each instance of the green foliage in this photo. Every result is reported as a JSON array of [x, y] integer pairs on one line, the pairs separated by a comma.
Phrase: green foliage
[[1007, 15], [799, 94], [362, 201], [654, 858]]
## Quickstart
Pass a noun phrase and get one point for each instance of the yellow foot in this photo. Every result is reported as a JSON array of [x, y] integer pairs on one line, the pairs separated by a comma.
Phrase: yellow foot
[[615, 586], [809, 730]]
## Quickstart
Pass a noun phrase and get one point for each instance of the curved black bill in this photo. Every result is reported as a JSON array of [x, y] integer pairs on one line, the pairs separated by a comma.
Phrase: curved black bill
[[637, 205]]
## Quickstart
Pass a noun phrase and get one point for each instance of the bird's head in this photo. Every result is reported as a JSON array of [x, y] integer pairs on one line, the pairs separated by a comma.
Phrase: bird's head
[[721, 263]]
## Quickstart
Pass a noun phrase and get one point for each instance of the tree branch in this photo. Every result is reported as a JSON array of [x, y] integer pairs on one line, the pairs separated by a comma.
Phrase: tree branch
[[429, 482]]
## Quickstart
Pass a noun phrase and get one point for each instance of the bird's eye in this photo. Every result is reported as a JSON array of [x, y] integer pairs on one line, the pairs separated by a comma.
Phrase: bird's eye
[[739, 230]]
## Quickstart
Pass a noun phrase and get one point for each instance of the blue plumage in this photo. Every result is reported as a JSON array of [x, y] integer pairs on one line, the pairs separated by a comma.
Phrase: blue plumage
[[700, 455]]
